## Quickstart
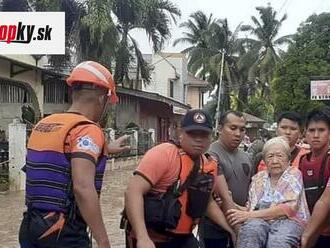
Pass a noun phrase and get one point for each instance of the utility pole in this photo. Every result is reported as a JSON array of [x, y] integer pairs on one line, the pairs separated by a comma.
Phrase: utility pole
[[217, 113]]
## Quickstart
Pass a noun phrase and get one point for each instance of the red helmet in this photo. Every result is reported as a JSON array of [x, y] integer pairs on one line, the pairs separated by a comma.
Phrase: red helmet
[[94, 73]]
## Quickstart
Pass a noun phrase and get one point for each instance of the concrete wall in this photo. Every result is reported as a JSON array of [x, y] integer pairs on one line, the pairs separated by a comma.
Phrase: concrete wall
[[160, 76], [167, 67], [17, 153], [8, 112], [127, 110], [29, 78]]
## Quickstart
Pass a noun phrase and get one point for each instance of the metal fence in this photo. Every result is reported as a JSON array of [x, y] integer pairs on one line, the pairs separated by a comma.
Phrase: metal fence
[[4, 166]]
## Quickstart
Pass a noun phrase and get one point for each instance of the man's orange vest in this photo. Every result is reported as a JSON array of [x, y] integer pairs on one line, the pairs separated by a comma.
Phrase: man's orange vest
[[186, 223]]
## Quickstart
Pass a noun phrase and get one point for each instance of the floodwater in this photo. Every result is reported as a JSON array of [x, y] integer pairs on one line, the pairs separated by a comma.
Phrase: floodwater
[[112, 201]]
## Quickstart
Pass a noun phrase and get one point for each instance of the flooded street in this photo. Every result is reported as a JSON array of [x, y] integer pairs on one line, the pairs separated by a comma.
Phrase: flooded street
[[112, 200]]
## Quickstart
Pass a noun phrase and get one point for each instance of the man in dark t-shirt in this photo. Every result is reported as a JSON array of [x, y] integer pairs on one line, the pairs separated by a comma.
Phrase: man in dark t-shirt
[[235, 166]]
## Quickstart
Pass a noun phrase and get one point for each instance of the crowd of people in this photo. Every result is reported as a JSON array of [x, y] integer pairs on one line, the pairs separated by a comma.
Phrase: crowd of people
[[186, 193]]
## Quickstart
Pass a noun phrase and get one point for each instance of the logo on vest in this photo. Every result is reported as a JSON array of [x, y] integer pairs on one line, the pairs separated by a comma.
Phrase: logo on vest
[[310, 173], [86, 143], [199, 118]]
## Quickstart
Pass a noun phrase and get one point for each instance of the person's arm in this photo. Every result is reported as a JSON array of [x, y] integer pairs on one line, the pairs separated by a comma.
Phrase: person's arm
[[83, 173], [271, 213], [214, 213], [221, 189], [239, 207], [318, 220], [236, 216], [134, 207]]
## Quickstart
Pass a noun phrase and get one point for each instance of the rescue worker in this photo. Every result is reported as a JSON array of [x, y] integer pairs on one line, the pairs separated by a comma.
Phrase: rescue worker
[[66, 158], [315, 166], [289, 125], [185, 168]]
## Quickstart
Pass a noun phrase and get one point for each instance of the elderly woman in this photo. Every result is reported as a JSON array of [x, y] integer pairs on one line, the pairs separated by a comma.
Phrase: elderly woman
[[276, 210]]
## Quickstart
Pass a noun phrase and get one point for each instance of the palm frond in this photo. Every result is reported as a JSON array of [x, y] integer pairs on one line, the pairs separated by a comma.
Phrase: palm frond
[[144, 68]]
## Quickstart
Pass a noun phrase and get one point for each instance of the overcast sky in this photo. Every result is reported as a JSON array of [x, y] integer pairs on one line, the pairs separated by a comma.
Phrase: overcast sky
[[237, 11]]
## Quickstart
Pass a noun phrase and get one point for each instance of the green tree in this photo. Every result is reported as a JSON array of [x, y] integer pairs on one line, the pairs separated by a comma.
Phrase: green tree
[[196, 35], [89, 30], [238, 57], [18, 5], [208, 38], [152, 16], [308, 57], [265, 30]]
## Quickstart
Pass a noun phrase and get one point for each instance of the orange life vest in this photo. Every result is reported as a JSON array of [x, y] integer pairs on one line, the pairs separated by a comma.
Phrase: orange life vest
[[186, 223], [48, 167]]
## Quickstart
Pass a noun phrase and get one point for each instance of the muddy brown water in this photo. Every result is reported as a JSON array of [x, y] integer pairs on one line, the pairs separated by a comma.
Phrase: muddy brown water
[[112, 201]]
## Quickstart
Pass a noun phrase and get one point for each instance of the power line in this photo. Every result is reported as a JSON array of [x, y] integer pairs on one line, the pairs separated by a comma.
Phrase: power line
[[284, 3]]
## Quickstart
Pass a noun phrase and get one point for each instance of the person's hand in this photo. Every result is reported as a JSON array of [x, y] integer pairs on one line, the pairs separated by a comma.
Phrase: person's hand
[[307, 241], [236, 228], [145, 242], [235, 216], [118, 145], [103, 244], [233, 238]]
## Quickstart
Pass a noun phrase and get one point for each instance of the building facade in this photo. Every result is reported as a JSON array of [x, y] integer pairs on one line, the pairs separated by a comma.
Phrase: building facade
[[24, 84], [170, 78]]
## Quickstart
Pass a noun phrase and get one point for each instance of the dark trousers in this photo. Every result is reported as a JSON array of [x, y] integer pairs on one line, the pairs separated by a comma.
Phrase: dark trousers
[[224, 242], [323, 242], [186, 241], [34, 225]]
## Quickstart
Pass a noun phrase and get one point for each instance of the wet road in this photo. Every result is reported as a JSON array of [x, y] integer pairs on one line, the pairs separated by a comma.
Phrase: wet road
[[112, 200]]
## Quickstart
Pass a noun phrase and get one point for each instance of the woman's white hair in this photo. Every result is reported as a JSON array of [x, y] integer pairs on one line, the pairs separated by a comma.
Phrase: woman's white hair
[[277, 141]]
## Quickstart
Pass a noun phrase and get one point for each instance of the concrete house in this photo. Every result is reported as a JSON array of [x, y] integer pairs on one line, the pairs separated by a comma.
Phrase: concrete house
[[24, 82], [170, 78]]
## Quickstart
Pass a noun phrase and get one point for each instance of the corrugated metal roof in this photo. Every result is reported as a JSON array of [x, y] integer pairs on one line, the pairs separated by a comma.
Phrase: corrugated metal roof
[[252, 118]]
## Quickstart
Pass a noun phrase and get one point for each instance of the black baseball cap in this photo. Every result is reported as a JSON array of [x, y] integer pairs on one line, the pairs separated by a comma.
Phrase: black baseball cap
[[197, 120]]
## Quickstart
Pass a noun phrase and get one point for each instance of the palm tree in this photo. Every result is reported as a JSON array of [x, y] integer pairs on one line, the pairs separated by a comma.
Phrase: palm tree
[[266, 43], [223, 40], [208, 39], [89, 30], [152, 16], [18, 5], [99, 29], [197, 34]]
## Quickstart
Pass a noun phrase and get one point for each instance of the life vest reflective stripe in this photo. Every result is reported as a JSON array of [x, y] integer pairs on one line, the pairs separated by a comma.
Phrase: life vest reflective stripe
[[48, 169], [186, 223]]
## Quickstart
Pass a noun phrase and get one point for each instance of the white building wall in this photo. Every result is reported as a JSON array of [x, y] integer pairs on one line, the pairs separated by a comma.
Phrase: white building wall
[[17, 153], [184, 79], [168, 66], [160, 76]]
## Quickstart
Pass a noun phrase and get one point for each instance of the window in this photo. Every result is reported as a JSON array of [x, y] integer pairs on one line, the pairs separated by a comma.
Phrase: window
[[56, 92], [10, 93], [171, 88]]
